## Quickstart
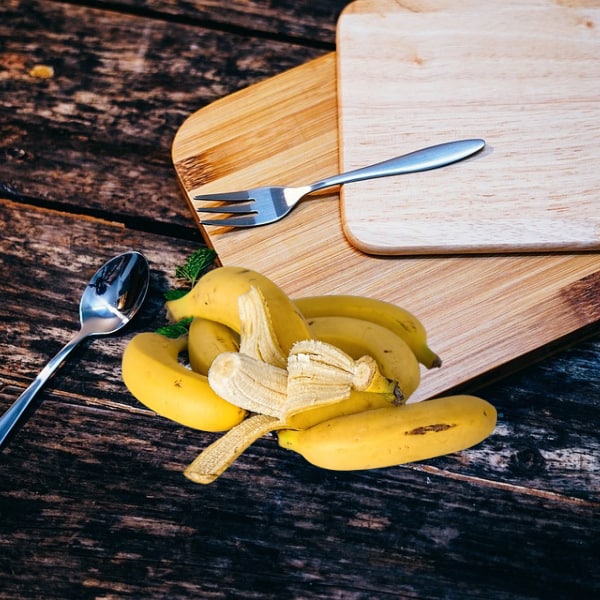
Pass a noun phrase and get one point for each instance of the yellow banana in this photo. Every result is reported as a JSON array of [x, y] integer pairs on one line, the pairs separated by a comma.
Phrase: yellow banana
[[391, 436], [215, 297], [207, 339], [388, 315], [358, 337], [356, 402], [153, 374]]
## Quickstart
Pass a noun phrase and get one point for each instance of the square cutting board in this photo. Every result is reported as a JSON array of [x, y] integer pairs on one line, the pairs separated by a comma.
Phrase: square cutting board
[[522, 74], [480, 311]]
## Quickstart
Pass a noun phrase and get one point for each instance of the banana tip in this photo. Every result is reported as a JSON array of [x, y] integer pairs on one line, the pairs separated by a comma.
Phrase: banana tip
[[436, 363]]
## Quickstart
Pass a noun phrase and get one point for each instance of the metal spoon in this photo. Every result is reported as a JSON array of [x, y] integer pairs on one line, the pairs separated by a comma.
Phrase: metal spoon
[[110, 300]]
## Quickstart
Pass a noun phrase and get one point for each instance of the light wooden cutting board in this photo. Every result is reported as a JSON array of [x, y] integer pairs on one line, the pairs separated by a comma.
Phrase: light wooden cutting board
[[480, 311], [522, 74]]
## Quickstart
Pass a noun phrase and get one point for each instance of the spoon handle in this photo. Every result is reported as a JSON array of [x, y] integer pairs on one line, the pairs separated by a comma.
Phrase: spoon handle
[[10, 418]]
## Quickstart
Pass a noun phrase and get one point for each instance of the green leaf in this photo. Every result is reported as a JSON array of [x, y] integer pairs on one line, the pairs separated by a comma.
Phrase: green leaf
[[175, 330], [194, 267], [175, 294], [196, 264]]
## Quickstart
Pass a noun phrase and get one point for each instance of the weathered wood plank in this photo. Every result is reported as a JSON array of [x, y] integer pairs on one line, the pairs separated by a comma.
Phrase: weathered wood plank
[[97, 135], [133, 527], [313, 23]]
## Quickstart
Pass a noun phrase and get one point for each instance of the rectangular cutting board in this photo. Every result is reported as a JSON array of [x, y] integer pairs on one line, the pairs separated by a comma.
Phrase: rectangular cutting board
[[522, 74], [480, 311]]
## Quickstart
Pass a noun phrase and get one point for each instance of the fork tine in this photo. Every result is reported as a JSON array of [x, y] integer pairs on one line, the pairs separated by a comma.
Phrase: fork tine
[[229, 208], [225, 197]]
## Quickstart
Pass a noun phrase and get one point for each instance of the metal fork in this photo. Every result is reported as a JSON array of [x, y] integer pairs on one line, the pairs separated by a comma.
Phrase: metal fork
[[263, 205]]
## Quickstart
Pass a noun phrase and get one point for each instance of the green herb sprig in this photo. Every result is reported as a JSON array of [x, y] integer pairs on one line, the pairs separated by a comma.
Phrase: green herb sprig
[[188, 274], [175, 330]]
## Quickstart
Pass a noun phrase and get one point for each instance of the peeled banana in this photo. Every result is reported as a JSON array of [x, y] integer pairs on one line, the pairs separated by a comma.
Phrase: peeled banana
[[391, 436], [215, 297], [153, 374], [389, 316], [320, 380], [358, 337]]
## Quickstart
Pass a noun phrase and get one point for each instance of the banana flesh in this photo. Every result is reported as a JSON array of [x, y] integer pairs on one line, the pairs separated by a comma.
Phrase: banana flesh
[[389, 316], [392, 436], [250, 383]]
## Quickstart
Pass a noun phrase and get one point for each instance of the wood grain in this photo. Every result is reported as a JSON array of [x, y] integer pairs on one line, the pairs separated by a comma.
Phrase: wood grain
[[480, 312], [524, 76]]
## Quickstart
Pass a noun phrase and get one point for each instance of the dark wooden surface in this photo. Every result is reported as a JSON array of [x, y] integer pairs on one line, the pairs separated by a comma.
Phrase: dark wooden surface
[[93, 503]]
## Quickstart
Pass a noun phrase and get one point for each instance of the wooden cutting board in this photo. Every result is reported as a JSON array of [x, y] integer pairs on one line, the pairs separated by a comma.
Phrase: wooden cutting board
[[480, 311], [522, 74]]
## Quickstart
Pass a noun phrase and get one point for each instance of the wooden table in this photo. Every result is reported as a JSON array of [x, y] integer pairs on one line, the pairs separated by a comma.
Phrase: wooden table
[[93, 503]]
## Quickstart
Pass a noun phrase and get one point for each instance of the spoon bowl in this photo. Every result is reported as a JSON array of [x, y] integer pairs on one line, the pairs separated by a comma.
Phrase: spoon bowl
[[110, 300]]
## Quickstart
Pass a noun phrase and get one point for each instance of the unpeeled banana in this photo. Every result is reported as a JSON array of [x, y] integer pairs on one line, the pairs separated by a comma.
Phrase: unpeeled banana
[[391, 436], [153, 374], [215, 297], [389, 316], [206, 340]]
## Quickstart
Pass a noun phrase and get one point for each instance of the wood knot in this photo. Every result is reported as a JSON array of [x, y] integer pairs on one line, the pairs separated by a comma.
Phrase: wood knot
[[527, 461]]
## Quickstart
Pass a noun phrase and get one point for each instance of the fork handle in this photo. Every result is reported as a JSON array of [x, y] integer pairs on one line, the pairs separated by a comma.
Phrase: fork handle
[[425, 159]]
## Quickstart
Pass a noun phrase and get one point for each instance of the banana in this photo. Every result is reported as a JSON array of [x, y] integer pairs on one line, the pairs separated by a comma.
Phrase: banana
[[358, 337], [356, 402], [153, 374], [215, 297], [391, 436], [388, 315], [320, 373], [254, 385], [207, 339]]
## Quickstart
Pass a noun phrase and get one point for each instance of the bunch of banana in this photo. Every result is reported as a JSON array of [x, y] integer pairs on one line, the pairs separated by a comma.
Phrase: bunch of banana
[[330, 374]]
